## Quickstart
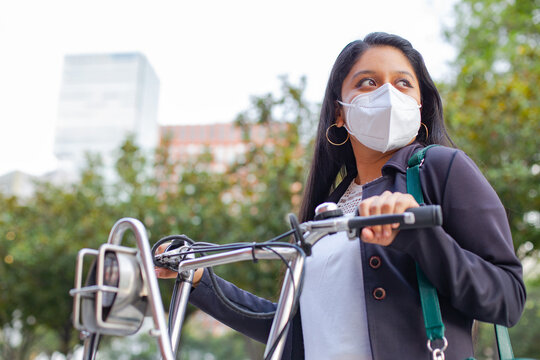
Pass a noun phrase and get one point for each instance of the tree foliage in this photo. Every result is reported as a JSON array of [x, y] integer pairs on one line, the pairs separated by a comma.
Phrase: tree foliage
[[493, 110], [43, 236], [266, 184], [492, 106]]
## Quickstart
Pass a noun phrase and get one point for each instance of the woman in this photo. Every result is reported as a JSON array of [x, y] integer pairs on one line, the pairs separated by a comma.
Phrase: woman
[[380, 107]]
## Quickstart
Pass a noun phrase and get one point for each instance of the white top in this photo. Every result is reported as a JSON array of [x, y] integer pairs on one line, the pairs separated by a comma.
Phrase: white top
[[332, 303]]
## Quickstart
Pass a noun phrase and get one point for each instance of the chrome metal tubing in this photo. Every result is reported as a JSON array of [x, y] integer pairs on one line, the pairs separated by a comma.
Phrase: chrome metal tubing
[[76, 292], [246, 254], [93, 289], [158, 313], [290, 286], [329, 225], [179, 311], [284, 309], [91, 343]]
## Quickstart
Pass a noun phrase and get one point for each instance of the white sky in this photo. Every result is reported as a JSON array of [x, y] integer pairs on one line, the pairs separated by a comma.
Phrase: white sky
[[210, 56]]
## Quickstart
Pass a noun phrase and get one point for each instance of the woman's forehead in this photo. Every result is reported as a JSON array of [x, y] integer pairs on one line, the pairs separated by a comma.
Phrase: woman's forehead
[[382, 58]]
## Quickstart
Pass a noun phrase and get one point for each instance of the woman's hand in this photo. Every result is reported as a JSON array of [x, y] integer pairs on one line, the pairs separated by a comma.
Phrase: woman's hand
[[386, 203], [164, 273]]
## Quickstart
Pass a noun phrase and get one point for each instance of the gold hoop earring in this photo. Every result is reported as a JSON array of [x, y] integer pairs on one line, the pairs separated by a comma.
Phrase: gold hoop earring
[[427, 131], [333, 143]]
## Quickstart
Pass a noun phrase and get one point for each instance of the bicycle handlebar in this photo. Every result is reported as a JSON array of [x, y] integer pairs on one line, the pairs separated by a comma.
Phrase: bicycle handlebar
[[413, 218], [312, 231], [425, 216]]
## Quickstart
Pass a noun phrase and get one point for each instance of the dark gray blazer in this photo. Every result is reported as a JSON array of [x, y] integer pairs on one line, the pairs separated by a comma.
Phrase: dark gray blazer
[[470, 260]]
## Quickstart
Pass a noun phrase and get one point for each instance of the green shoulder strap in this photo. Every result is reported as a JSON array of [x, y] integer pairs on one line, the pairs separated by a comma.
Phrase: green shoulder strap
[[503, 343], [428, 293]]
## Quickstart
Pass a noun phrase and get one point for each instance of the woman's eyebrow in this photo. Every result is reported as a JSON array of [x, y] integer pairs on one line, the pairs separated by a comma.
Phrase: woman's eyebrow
[[363, 72], [371, 72], [403, 72]]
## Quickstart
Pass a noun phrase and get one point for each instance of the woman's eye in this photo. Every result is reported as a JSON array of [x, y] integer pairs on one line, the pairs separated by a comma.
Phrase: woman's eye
[[367, 82], [404, 83]]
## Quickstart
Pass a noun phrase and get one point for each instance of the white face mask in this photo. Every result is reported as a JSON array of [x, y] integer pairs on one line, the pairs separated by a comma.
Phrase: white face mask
[[384, 119]]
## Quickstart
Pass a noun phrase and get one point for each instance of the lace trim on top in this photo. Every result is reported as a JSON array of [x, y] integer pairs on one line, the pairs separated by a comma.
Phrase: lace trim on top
[[348, 203], [351, 198]]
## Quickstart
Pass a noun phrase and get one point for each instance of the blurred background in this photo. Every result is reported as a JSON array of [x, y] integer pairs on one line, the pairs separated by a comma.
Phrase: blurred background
[[198, 118]]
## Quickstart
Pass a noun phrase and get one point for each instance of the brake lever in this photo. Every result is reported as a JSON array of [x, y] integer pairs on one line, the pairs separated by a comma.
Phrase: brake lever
[[171, 259]]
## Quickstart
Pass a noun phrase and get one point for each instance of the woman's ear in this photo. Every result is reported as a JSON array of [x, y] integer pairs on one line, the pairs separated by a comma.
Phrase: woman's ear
[[338, 114]]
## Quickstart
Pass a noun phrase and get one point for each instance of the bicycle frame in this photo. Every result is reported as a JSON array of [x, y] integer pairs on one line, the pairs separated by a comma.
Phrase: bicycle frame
[[169, 338], [285, 303]]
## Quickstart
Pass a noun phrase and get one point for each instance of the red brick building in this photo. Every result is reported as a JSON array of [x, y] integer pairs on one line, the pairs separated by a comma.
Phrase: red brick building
[[225, 141]]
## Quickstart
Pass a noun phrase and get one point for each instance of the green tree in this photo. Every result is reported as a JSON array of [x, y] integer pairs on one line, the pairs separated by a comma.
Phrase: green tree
[[41, 237], [266, 184], [492, 108]]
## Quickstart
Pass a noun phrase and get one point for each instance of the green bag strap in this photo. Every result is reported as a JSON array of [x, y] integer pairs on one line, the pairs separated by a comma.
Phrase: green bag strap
[[413, 174], [428, 294], [503, 343], [430, 307], [504, 346]]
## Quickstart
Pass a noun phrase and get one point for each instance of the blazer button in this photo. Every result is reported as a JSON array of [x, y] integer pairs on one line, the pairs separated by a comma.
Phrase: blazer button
[[375, 262], [379, 293]]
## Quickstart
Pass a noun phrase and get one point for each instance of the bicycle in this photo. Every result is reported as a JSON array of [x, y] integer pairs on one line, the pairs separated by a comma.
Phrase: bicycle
[[122, 289]]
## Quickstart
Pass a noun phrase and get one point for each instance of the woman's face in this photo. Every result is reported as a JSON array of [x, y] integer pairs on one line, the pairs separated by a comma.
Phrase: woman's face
[[377, 66]]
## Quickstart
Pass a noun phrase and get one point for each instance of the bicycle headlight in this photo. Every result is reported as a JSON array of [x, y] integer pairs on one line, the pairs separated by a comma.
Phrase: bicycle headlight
[[120, 290], [114, 300]]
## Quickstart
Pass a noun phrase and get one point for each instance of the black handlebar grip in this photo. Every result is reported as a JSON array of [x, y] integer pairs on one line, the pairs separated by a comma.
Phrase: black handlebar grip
[[424, 216]]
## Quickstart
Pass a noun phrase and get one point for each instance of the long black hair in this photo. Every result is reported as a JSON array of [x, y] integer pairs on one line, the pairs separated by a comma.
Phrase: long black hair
[[331, 161]]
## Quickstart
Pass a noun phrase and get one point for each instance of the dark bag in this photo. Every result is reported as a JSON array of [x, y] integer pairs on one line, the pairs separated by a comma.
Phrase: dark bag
[[428, 293]]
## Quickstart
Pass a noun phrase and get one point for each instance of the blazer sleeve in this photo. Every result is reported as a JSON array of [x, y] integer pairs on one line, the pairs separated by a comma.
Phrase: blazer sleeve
[[205, 298], [470, 259]]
